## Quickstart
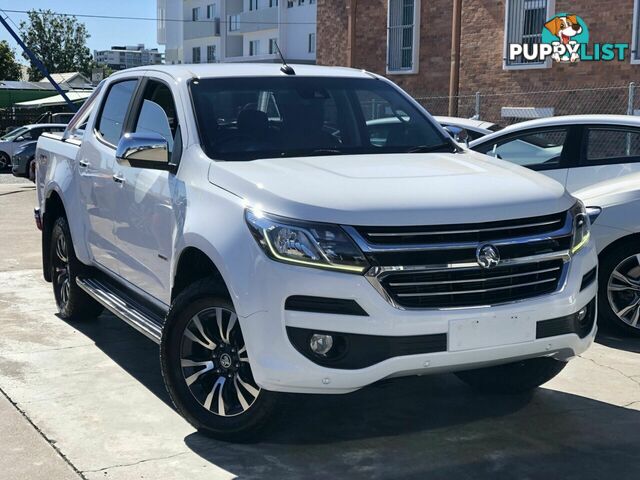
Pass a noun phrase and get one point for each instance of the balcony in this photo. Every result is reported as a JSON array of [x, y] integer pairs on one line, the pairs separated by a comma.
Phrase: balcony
[[202, 29], [256, 20]]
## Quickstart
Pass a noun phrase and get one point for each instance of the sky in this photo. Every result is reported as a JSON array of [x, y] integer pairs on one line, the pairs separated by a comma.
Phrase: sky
[[104, 32]]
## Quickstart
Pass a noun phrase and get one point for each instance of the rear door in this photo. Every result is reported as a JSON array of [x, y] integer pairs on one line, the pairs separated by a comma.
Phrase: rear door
[[150, 201], [550, 150], [607, 152], [98, 190]]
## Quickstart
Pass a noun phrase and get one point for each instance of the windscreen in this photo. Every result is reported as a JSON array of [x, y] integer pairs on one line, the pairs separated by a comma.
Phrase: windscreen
[[12, 135], [252, 118]]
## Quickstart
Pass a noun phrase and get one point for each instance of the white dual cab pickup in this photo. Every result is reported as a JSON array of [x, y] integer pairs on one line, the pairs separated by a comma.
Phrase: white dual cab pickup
[[274, 235]]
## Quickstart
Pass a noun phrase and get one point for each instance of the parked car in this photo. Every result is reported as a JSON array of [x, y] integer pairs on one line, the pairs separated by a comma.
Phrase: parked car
[[10, 142], [22, 162], [575, 150], [614, 208], [250, 220], [465, 130]]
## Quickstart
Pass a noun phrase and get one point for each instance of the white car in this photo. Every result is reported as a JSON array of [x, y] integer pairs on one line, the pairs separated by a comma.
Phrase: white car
[[575, 150], [614, 208], [259, 225], [466, 130], [13, 140]]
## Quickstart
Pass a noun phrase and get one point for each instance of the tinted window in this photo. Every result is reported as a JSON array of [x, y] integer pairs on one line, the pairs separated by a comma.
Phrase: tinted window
[[114, 111], [250, 118], [158, 112], [539, 149], [612, 144]]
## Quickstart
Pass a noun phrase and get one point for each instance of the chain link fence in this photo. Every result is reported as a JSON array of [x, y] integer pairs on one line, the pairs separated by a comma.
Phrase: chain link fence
[[505, 108]]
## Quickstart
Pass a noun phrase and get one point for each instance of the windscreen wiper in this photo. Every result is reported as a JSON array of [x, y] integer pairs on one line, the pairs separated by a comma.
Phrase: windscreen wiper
[[448, 147]]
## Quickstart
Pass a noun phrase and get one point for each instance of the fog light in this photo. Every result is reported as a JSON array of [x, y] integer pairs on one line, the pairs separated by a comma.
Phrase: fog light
[[320, 344], [582, 314]]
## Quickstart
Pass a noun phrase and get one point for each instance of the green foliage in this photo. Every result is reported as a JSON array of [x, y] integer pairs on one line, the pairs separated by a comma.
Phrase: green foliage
[[9, 67], [60, 42]]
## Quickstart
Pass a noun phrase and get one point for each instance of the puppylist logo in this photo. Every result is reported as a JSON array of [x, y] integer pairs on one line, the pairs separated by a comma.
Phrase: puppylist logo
[[565, 38]]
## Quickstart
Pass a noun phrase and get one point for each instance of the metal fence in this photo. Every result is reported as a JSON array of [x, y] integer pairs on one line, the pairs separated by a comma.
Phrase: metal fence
[[505, 108]]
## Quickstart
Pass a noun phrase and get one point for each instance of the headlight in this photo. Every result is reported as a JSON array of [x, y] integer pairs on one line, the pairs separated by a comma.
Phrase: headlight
[[581, 227], [305, 243]]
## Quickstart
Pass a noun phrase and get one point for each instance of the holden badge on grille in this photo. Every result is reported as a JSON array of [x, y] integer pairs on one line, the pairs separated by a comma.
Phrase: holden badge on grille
[[487, 256]]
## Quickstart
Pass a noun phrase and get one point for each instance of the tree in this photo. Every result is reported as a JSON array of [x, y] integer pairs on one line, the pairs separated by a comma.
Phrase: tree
[[59, 41], [9, 67]]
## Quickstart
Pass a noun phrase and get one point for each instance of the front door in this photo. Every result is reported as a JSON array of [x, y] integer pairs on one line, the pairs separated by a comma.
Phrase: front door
[[150, 200]]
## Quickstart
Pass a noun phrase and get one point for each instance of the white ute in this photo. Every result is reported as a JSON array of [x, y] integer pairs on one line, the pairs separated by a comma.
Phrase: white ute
[[273, 237]]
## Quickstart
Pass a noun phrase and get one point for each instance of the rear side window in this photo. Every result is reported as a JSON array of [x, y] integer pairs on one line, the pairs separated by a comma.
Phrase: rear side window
[[612, 144], [542, 149], [114, 111]]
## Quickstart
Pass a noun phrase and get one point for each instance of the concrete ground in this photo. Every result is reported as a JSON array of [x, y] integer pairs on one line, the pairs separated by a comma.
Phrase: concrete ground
[[86, 400]]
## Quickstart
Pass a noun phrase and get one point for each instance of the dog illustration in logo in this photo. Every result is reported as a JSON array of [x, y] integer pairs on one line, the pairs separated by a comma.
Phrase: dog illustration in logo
[[565, 28]]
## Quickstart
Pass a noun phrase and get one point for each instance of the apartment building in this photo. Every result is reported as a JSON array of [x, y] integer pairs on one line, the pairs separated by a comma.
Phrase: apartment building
[[211, 31], [128, 56], [410, 41]]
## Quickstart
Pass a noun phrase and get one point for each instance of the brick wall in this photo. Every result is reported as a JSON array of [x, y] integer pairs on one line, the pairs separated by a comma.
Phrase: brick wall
[[371, 41], [481, 46]]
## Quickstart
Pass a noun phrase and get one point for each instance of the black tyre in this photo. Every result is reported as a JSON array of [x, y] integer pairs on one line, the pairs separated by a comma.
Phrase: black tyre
[[31, 170], [206, 368], [5, 161], [619, 286], [517, 377], [73, 302]]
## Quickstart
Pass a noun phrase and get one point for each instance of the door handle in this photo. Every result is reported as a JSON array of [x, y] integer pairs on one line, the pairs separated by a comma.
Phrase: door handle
[[83, 163], [118, 178]]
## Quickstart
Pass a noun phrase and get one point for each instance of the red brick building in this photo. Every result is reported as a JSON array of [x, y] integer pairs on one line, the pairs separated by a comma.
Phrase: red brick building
[[410, 41]]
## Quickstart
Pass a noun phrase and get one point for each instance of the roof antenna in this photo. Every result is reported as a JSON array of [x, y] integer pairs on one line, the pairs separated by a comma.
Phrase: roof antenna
[[286, 69]]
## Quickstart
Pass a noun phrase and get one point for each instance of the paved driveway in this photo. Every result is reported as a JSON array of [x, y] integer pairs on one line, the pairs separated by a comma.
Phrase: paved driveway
[[87, 399]]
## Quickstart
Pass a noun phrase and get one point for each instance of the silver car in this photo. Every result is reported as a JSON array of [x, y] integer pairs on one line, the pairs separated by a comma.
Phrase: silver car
[[10, 142]]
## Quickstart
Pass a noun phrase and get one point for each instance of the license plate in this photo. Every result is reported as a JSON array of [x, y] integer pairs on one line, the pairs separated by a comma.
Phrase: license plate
[[469, 334]]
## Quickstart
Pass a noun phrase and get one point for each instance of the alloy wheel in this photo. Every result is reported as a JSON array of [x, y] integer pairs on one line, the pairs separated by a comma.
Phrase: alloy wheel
[[623, 291], [215, 365], [62, 278], [4, 161]]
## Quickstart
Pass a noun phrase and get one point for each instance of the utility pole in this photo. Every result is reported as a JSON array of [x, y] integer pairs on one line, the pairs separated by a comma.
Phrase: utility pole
[[39, 65], [454, 75], [352, 5]]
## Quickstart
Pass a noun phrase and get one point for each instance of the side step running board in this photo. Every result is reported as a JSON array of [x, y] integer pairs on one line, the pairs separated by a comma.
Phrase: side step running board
[[113, 300]]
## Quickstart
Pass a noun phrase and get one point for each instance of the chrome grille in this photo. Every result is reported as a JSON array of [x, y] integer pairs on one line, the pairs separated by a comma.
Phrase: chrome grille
[[463, 287], [423, 267]]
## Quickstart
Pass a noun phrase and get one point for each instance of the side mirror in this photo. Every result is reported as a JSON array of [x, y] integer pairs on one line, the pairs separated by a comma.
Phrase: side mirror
[[459, 134], [20, 139], [144, 150]]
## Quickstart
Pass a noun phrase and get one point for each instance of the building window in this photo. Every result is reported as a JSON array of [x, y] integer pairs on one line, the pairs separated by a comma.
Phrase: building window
[[234, 23], [195, 55], [211, 54], [524, 21], [273, 3], [289, 3], [254, 48], [195, 14], [312, 43], [253, 4], [635, 44], [272, 45], [211, 10], [402, 36], [300, 2]]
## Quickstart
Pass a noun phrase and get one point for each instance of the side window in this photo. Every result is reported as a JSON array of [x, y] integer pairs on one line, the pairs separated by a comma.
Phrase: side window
[[114, 111], [28, 135], [612, 145], [539, 149], [158, 112], [77, 125]]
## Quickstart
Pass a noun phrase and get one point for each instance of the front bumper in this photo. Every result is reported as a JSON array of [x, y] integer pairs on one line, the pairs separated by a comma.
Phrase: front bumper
[[505, 333]]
